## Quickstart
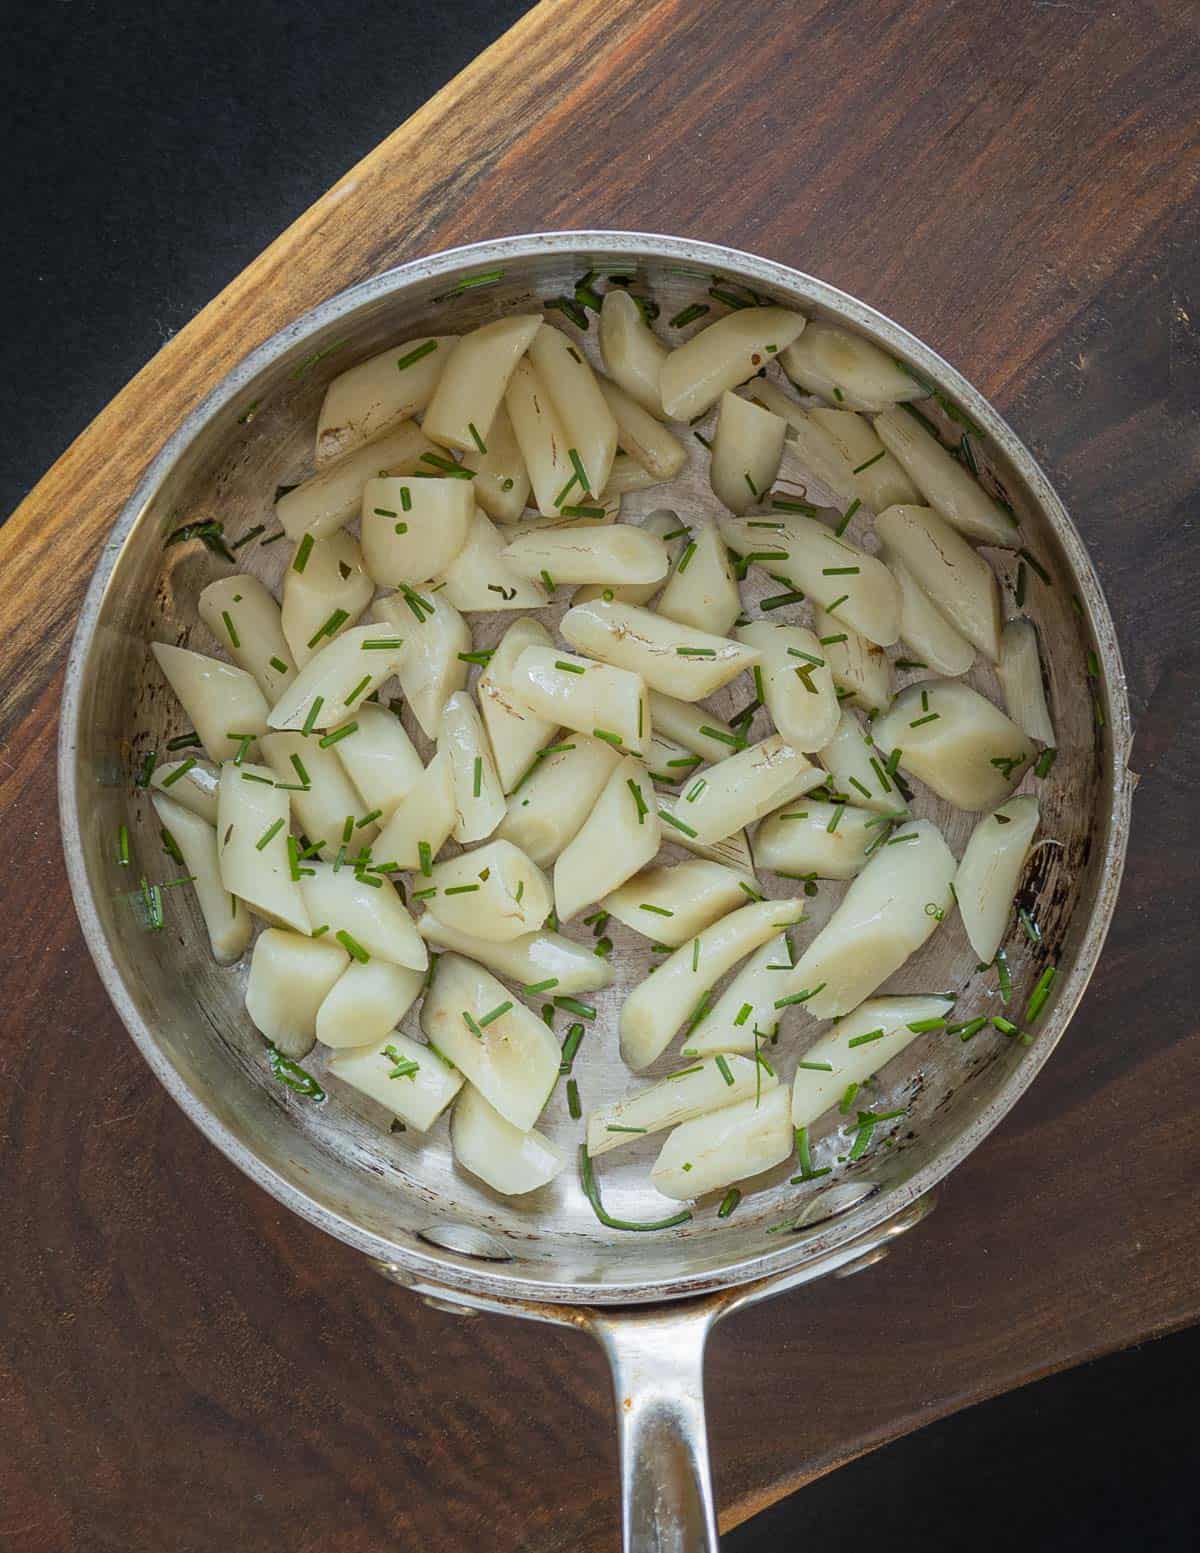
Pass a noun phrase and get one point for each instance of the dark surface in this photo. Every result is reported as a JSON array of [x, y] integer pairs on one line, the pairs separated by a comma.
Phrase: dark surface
[[152, 154]]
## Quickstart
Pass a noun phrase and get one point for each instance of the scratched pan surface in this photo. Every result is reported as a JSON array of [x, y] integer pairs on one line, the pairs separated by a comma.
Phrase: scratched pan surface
[[400, 1197]]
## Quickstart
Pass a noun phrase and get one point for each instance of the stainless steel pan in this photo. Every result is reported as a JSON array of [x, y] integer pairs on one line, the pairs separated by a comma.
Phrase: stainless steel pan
[[650, 1299]]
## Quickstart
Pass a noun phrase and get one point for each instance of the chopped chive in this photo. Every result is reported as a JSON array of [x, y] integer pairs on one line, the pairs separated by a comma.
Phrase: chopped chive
[[930, 717], [337, 735], [580, 471], [968, 1030], [574, 1006], [639, 799], [865, 1040], [865, 791], [729, 1202], [779, 600], [592, 1193], [1032, 931], [569, 1047], [924, 1026], [314, 711], [293, 1075], [180, 770], [838, 811], [846, 516], [609, 738], [477, 778], [1035, 565], [830, 641], [383, 644], [348, 830], [658, 911], [495, 1013], [859, 469], [1044, 761], [368, 819], [1005, 1026], [1041, 991], [829, 608], [303, 551], [210, 534], [1019, 590], [461, 889], [613, 1127], [910, 663], [574, 1109], [352, 946], [728, 297], [415, 355], [330, 626], [816, 1067], [723, 738], [569, 668], [783, 504], [695, 955], [566, 490], [893, 761], [683, 1072], [723, 1067], [688, 315], [357, 691], [685, 560], [696, 652], [472, 1026], [838, 394], [847, 1099], [678, 824], [582, 512], [476, 438], [571, 308], [799, 997], [742, 1015]]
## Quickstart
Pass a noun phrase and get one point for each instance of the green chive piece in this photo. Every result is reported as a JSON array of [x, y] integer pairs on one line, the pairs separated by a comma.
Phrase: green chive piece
[[476, 438], [338, 735], [181, 770], [678, 824], [267, 835], [574, 1006], [609, 738], [357, 691], [477, 778], [846, 516], [574, 1109], [580, 471], [1041, 991], [495, 1013], [303, 551]]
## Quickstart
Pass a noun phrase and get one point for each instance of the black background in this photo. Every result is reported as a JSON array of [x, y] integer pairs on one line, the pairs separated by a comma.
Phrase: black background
[[151, 153]]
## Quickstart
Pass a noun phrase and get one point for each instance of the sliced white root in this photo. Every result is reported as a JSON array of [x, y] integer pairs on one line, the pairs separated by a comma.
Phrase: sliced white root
[[697, 1090], [371, 921], [431, 667], [678, 989], [542, 440], [956, 742], [746, 449], [426, 814], [712, 1151], [338, 679], [882, 919], [797, 682], [473, 381], [832, 1064], [879, 477], [509, 1160], [379, 759], [510, 1057], [726, 353], [221, 701], [727, 797], [644, 438], [627, 476], [664, 525], [417, 1095], [933, 640], [326, 596], [377, 394], [290, 977], [855, 663], [252, 845], [732, 850], [703, 592], [985, 885], [501, 482], [808, 836], [621, 834], [944, 482], [225, 916], [592, 698], [478, 796], [191, 783], [695, 727], [245, 619], [845, 581], [480, 576], [324, 801], [328, 501], [1020, 672], [612, 556], [677, 660], [586, 418], [413, 529], [552, 964], [366, 1002], [547, 808], [672, 902], [516, 735], [586, 512], [857, 773], [819, 454], [494, 892], [848, 370], [745, 1016], [667, 761], [633, 354], [956, 577]]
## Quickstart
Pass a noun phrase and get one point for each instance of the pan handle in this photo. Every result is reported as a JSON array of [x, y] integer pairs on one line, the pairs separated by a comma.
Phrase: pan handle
[[657, 1361]]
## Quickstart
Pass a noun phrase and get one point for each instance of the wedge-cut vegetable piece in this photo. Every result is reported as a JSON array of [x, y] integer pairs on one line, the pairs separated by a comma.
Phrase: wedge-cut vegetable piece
[[633, 354], [698, 1089], [542, 439], [366, 1002], [504, 1157], [379, 393], [412, 529], [501, 482], [809, 837], [225, 917], [245, 619], [493, 892], [744, 1017], [668, 762], [620, 835], [746, 449], [407, 1079], [432, 667], [677, 992], [473, 381], [797, 682], [879, 477], [703, 592], [956, 742], [627, 476], [709, 1152], [516, 735], [586, 418], [338, 679], [325, 590], [695, 727], [841, 1058], [1020, 672], [664, 525], [678, 660], [480, 576], [848, 370], [985, 885], [553, 964], [547, 808], [732, 850], [367, 921], [856, 664], [958, 579], [325, 802], [592, 698], [252, 845], [857, 773], [421, 822], [726, 353], [221, 701], [379, 760], [614, 555], [478, 796], [644, 438], [743, 788], [945, 483], [502, 1048], [290, 977], [190, 782], [934, 642], [882, 919], [325, 503], [672, 902], [819, 455]]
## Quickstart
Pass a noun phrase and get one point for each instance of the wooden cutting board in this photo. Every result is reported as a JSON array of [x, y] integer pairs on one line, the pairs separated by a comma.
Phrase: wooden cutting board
[[182, 1363]]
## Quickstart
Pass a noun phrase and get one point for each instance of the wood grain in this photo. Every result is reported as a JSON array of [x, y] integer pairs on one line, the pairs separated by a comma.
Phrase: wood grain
[[185, 1366]]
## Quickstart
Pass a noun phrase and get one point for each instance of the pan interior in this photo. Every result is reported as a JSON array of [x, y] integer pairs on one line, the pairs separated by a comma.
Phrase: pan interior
[[400, 1196]]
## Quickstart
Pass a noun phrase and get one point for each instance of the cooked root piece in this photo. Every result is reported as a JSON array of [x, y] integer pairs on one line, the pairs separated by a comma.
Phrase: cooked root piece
[[478, 796], [366, 1002], [191, 783], [620, 835], [539, 963], [987, 878], [494, 892], [797, 682], [473, 381], [746, 451], [290, 977], [586, 418], [725, 798], [480, 576], [696, 1090], [847, 370], [740, 1141], [1020, 671], [432, 666], [644, 438], [334, 681], [936, 643], [366, 920], [856, 664], [322, 505], [676, 660], [504, 1157], [252, 845], [672, 902], [376, 395], [878, 476], [245, 619], [407, 1079], [702, 592], [501, 482], [718, 358], [612, 556], [421, 822], [633, 354], [516, 734], [809, 837], [379, 759], [225, 917], [664, 525], [856, 773], [956, 577], [695, 727], [944, 482], [745, 1014], [222, 702], [327, 807], [547, 808], [956, 742], [733, 850], [413, 529], [325, 590], [592, 698]]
